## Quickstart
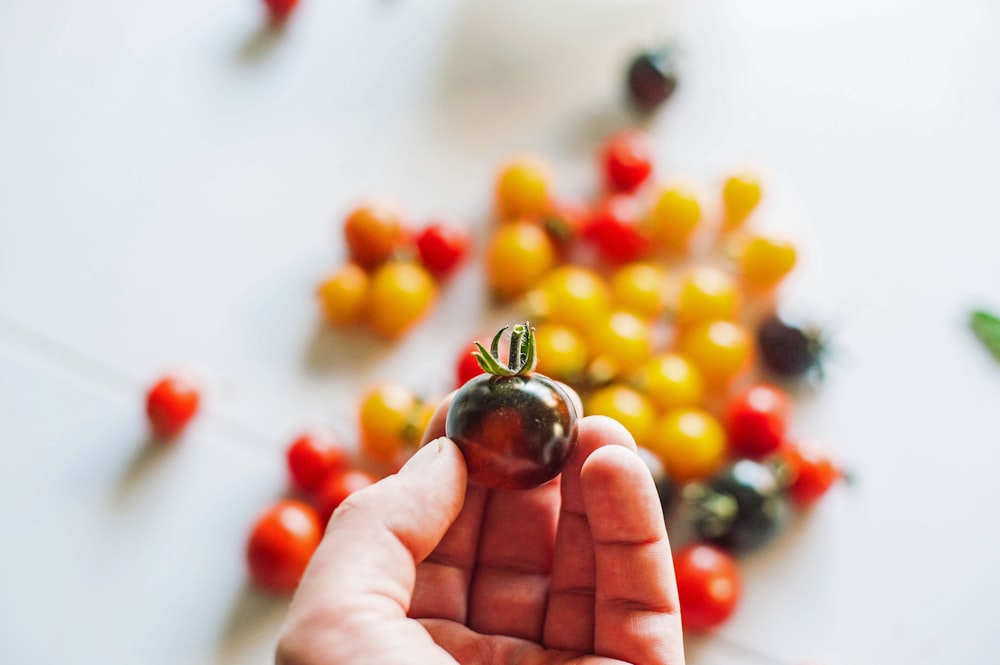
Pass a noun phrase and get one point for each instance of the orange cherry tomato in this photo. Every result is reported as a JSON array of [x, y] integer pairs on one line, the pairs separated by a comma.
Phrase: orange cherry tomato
[[344, 295], [373, 232]]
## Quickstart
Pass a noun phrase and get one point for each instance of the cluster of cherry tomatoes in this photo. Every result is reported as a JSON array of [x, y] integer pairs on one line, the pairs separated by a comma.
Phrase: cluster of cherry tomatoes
[[390, 280], [657, 314], [666, 319], [323, 471]]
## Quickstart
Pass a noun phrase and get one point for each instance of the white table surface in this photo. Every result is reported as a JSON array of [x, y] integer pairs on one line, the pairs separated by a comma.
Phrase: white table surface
[[171, 180]]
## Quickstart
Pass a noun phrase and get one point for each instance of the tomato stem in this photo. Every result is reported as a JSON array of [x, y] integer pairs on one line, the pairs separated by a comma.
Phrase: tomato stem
[[521, 357]]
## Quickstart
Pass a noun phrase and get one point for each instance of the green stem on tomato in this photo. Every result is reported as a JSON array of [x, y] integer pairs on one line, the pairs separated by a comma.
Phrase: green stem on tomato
[[521, 356]]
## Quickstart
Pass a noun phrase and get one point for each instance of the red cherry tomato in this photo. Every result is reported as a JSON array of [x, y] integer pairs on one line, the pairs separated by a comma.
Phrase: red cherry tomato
[[338, 487], [281, 544], [170, 405], [708, 585], [757, 420], [627, 161], [812, 471], [313, 457], [442, 247], [467, 366], [614, 230], [280, 10]]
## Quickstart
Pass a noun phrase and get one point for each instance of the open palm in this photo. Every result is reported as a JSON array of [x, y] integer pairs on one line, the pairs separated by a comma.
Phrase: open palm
[[575, 571]]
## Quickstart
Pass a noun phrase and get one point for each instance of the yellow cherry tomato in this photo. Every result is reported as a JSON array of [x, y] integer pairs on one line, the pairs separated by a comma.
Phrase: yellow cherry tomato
[[690, 443], [626, 405], [517, 257], [389, 419], [640, 288], [671, 381], [706, 293], [740, 195], [574, 296], [401, 294], [344, 294], [719, 349], [622, 339], [562, 352], [674, 217], [522, 189], [764, 262]]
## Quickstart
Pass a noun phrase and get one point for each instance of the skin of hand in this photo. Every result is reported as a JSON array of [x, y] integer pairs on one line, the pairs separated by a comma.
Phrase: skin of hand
[[422, 568]]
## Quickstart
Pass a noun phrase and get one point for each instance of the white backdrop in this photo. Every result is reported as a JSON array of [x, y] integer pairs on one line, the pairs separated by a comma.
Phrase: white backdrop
[[171, 180]]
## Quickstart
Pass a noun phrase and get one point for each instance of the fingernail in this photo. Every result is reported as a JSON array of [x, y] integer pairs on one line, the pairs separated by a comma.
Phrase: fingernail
[[423, 457]]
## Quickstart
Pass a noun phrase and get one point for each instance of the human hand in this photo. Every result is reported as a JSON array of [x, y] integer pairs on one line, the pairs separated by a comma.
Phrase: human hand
[[422, 568]]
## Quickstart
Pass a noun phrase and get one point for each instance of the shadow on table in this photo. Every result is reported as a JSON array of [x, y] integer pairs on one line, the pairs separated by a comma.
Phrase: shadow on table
[[331, 349], [503, 56], [253, 618], [261, 42], [146, 457]]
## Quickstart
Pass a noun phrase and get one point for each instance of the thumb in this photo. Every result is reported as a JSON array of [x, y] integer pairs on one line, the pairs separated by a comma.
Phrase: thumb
[[379, 534]]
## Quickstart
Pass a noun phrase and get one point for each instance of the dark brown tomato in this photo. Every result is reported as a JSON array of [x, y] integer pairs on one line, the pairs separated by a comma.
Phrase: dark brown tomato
[[515, 432]]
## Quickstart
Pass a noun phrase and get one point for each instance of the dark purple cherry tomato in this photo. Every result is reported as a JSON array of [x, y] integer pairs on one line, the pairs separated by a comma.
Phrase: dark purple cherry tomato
[[652, 79], [515, 428], [788, 349], [740, 508]]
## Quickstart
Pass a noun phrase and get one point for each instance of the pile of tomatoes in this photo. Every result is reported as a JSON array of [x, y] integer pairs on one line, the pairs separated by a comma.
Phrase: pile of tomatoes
[[657, 312], [323, 470], [390, 280], [666, 318]]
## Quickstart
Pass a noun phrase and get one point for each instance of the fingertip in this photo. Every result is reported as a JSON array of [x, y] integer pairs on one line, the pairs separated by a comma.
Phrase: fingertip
[[436, 426], [604, 431], [610, 461], [617, 483]]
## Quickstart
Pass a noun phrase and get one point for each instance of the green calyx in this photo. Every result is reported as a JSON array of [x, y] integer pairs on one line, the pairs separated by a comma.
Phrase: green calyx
[[521, 358]]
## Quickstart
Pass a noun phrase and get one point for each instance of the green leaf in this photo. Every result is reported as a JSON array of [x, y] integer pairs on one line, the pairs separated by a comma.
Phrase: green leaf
[[986, 327]]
